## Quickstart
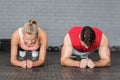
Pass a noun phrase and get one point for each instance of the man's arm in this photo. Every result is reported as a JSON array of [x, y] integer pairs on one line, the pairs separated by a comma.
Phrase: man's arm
[[42, 52], [66, 53], [104, 54]]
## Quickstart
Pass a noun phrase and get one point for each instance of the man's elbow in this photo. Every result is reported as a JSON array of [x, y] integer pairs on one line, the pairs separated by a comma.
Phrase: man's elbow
[[108, 63], [62, 62], [103, 63]]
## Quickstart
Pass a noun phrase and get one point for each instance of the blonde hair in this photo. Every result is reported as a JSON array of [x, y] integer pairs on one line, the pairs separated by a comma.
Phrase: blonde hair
[[31, 27]]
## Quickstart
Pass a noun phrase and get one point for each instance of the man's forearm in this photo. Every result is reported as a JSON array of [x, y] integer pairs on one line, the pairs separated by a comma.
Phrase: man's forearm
[[102, 63], [70, 62]]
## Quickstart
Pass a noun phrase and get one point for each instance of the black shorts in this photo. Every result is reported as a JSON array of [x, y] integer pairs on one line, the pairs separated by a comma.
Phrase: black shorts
[[28, 54]]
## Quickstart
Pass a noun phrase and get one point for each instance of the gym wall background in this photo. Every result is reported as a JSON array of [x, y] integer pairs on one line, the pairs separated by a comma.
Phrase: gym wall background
[[56, 17]]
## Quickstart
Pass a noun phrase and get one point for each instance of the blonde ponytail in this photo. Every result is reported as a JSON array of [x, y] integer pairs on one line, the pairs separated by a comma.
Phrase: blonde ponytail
[[31, 27]]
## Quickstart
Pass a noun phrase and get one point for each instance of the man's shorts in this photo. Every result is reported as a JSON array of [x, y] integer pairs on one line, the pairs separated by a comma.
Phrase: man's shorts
[[81, 54]]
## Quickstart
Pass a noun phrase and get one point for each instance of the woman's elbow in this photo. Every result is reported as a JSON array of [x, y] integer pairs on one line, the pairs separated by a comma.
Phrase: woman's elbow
[[12, 61]]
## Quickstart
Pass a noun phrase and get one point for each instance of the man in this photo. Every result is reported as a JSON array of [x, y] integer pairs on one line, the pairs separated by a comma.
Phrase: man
[[83, 41], [28, 46]]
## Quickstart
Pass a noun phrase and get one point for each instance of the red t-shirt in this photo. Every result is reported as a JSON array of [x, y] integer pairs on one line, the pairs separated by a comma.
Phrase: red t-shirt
[[74, 34]]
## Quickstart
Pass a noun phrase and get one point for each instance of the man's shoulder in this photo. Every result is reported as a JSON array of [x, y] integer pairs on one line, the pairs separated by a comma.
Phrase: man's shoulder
[[76, 27], [96, 29], [104, 40]]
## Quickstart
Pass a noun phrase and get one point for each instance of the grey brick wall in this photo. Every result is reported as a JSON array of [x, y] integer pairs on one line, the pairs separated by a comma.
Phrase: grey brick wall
[[56, 17]]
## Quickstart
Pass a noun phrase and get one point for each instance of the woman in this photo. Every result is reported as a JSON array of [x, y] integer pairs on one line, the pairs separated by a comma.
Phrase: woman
[[28, 46]]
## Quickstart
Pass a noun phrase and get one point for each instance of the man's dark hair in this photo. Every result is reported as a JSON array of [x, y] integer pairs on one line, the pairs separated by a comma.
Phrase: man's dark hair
[[88, 35]]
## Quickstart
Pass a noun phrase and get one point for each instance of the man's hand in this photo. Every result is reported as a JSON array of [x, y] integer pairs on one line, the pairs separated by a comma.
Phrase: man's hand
[[86, 63], [83, 63], [29, 64], [90, 63]]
